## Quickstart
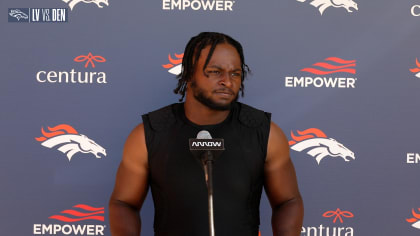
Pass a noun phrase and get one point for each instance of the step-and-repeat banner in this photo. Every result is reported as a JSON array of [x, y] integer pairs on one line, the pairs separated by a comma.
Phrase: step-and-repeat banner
[[341, 78]]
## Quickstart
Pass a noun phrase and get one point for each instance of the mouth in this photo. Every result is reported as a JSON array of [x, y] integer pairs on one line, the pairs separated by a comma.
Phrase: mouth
[[224, 93]]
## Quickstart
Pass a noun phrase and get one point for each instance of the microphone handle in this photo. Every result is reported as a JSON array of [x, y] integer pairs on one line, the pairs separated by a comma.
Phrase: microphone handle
[[208, 171]]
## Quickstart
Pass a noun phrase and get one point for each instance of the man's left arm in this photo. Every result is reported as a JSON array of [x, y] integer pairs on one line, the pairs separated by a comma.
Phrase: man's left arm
[[281, 186]]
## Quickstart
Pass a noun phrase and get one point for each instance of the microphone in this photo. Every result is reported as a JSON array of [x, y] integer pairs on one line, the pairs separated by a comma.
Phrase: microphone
[[204, 146], [203, 134], [204, 142]]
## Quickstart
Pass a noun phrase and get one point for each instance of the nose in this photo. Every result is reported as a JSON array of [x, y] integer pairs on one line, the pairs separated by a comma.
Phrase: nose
[[225, 80]]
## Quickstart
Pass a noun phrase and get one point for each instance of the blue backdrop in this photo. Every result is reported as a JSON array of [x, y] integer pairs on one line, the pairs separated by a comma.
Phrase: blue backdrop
[[341, 78]]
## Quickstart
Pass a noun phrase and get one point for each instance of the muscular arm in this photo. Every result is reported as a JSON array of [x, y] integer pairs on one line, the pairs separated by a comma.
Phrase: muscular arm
[[131, 186], [281, 186]]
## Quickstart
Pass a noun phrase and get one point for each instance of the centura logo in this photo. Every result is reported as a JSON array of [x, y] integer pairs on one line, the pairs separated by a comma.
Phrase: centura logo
[[72, 3], [75, 77], [330, 65], [338, 214], [318, 145], [322, 5], [175, 65], [79, 212], [195, 5], [413, 158], [415, 220], [69, 141], [18, 14], [417, 69], [331, 230], [89, 58], [415, 10]]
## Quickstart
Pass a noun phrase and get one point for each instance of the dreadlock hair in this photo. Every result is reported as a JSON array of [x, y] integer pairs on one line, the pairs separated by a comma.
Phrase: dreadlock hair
[[192, 54]]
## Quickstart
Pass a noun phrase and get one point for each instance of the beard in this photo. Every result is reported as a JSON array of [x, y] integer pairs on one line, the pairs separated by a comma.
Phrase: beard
[[207, 101]]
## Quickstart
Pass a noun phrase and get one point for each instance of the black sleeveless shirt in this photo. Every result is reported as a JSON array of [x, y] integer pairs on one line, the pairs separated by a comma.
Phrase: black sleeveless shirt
[[177, 179]]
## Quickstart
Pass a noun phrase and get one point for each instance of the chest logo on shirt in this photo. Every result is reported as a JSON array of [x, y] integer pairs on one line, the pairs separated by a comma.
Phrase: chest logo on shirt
[[318, 145]]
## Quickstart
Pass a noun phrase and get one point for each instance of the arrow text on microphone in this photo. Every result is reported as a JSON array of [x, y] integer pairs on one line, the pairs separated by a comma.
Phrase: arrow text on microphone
[[207, 144]]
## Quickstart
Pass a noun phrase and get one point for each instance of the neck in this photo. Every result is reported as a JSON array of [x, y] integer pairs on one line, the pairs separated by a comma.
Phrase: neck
[[200, 114]]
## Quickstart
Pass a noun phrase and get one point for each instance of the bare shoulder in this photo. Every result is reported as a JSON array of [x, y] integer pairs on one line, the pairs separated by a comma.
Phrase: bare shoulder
[[281, 186], [131, 183], [280, 177], [137, 134], [135, 145], [278, 146]]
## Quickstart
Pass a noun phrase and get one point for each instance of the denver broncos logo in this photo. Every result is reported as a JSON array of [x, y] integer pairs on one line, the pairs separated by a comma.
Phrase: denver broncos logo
[[415, 220], [18, 14], [319, 145], [69, 141], [417, 69], [73, 3], [174, 67], [324, 4]]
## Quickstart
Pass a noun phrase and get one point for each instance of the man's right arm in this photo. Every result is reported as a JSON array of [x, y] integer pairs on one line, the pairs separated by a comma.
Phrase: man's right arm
[[131, 186]]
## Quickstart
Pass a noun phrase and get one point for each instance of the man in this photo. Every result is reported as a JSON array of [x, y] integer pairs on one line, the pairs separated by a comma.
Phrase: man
[[157, 154]]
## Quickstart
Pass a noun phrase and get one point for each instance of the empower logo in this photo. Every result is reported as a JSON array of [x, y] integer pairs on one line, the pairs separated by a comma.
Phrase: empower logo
[[73, 3], [80, 212], [332, 65], [415, 220], [319, 145], [413, 158], [195, 5], [416, 69], [322, 5], [321, 70], [68, 141], [77, 213], [175, 65]]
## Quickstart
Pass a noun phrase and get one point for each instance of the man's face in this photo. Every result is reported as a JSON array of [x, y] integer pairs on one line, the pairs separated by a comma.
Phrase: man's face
[[218, 86]]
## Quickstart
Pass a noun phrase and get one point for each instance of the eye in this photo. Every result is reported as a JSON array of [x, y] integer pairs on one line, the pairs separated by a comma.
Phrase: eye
[[236, 75], [213, 72]]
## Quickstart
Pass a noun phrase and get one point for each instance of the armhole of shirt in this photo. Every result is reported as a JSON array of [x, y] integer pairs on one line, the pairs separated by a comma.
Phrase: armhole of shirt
[[266, 129], [147, 133]]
